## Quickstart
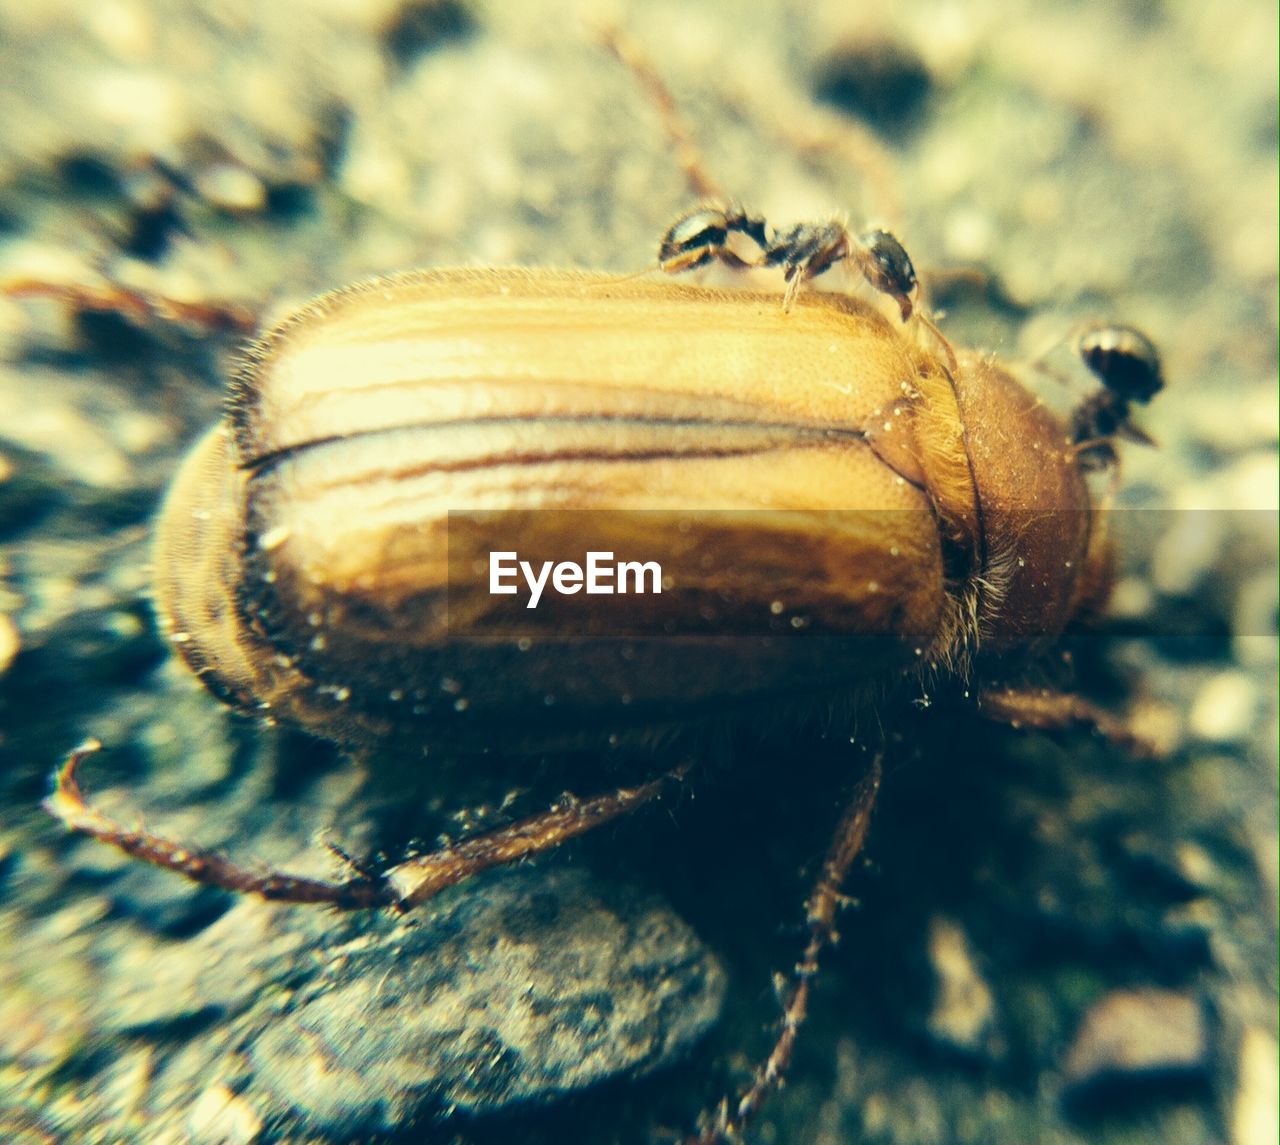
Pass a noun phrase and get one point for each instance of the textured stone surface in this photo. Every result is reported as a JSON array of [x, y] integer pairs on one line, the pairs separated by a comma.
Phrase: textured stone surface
[[518, 988], [963, 1013], [1094, 159], [529, 986], [1136, 1034]]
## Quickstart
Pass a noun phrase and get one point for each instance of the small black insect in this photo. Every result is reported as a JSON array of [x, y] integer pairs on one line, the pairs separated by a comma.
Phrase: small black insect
[[1124, 360], [707, 234], [735, 238]]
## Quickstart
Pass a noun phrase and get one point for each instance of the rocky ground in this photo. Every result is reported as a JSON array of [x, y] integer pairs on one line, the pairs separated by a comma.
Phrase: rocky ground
[[1054, 942]]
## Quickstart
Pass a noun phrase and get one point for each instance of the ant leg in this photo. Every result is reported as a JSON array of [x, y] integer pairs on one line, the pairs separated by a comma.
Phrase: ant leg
[[679, 135], [138, 306], [1050, 345], [403, 886], [821, 909], [940, 340], [794, 283], [1095, 453], [1047, 710], [806, 251]]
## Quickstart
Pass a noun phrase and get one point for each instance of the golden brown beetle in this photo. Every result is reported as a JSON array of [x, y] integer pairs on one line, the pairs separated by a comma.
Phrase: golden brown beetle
[[833, 509], [837, 508], [811, 468]]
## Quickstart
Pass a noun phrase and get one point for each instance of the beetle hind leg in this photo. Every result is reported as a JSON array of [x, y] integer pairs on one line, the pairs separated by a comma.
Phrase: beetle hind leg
[[679, 134], [417, 879], [1045, 709], [400, 887], [67, 803], [821, 910]]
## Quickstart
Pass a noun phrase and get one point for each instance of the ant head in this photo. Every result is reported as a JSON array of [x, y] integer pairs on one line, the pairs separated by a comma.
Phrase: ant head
[[1123, 359], [888, 268]]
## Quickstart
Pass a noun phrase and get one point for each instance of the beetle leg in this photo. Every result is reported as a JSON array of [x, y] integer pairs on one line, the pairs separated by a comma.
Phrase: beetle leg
[[679, 135], [140, 307], [824, 903], [811, 133], [418, 879], [1047, 710], [361, 867], [403, 886], [823, 139], [200, 866]]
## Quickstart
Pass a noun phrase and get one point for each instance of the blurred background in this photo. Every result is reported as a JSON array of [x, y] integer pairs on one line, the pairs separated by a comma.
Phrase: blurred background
[[1055, 943]]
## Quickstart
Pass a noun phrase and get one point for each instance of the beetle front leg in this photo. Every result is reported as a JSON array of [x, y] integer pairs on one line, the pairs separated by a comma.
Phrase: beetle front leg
[[679, 135], [402, 887], [141, 307], [821, 910], [1047, 710]]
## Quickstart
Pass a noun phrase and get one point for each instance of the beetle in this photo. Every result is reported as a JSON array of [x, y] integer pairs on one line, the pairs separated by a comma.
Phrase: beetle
[[832, 507], [873, 507]]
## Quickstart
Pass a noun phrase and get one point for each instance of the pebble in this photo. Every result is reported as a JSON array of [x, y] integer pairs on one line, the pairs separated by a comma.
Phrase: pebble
[[1138, 1035], [9, 642], [963, 1014], [1188, 551], [1254, 1120], [220, 1117], [1254, 623], [1224, 708], [530, 985], [232, 189]]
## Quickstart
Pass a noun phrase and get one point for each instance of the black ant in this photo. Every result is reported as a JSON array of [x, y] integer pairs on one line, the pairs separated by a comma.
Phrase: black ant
[[710, 234], [1124, 360], [742, 241]]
